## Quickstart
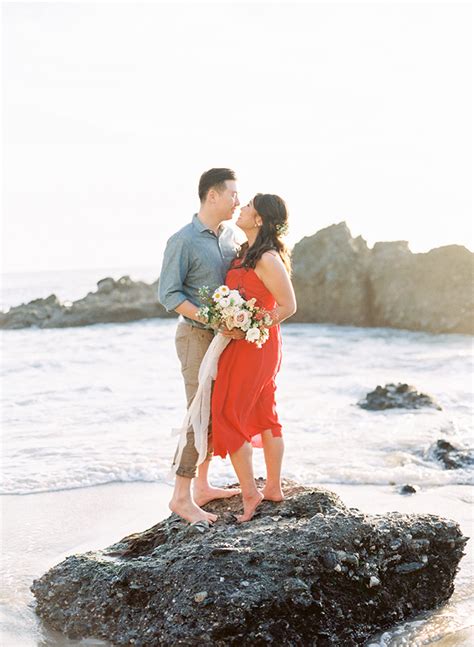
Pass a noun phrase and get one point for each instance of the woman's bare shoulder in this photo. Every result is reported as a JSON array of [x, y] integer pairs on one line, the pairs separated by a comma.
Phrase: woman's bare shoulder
[[270, 261], [269, 258]]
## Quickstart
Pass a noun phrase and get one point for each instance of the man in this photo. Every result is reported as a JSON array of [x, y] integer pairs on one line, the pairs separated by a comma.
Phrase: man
[[198, 254]]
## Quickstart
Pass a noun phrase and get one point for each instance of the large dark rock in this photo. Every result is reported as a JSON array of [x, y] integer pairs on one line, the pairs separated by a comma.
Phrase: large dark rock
[[338, 279], [431, 291], [113, 301], [397, 396], [330, 273], [307, 571]]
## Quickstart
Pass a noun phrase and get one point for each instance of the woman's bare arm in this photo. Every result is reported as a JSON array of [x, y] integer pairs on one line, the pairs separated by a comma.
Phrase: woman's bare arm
[[271, 270]]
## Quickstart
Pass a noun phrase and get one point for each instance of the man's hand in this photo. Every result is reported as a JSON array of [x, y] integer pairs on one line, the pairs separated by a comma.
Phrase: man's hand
[[235, 333]]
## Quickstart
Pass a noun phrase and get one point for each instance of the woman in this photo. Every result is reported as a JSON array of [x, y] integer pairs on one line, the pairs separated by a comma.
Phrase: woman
[[243, 400]]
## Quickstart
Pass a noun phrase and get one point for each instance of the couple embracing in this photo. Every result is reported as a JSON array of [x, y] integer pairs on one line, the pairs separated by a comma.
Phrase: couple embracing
[[242, 406]]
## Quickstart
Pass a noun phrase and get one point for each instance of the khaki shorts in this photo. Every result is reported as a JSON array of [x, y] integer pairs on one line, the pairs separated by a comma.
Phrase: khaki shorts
[[191, 346]]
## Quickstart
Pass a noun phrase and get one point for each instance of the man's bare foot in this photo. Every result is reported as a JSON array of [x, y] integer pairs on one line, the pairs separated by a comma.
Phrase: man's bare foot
[[204, 495], [210, 516], [273, 494], [250, 505], [189, 511]]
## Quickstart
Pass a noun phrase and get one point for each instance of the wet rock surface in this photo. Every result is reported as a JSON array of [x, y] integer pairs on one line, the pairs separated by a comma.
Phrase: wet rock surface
[[451, 456], [113, 301], [397, 396], [306, 571]]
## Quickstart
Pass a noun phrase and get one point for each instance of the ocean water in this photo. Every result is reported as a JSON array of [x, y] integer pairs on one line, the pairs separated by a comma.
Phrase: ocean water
[[95, 405], [91, 405]]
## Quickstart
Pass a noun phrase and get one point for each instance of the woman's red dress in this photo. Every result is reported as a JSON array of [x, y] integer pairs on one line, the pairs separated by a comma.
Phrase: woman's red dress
[[243, 399]]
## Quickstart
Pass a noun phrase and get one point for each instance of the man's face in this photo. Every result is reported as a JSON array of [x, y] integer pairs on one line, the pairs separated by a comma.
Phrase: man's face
[[227, 201]]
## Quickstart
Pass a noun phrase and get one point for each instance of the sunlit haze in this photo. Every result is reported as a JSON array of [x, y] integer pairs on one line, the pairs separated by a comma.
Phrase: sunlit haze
[[355, 112]]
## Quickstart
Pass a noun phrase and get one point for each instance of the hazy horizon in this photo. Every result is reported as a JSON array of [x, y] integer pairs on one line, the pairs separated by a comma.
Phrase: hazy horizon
[[148, 266], [356, 112]]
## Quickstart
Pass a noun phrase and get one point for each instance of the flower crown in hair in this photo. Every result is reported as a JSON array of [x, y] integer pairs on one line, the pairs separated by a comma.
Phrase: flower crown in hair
[[281, 229]]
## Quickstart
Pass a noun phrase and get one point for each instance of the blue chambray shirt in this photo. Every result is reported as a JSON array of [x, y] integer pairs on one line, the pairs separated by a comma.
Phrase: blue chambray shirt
[[194, 257]]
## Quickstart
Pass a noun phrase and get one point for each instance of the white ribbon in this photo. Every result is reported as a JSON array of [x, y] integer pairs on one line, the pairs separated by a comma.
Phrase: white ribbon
[[199, 413]]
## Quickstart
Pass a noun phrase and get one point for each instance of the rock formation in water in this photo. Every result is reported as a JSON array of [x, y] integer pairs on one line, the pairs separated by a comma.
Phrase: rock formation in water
[[113, 301], [337, 279], [330, 273], [306, 571], [397, 396], [431, 291], [452, 457]]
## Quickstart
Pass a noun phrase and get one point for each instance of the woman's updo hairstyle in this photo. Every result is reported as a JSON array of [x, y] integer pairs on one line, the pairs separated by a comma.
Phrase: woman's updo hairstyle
[[274, 214]]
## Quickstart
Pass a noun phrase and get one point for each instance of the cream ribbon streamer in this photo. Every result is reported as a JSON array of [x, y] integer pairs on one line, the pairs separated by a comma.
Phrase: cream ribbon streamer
[[198, 414]]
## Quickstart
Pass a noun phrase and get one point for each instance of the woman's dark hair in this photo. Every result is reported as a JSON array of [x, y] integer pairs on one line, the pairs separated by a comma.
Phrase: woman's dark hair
[[215, 178], [274, 214]]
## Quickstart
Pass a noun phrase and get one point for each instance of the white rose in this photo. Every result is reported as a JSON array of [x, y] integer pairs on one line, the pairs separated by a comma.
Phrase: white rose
[[224, 302], [253, 334], [236, 297], [242, 319]]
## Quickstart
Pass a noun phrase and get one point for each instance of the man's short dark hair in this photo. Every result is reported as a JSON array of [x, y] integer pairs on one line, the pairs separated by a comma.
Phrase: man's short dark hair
[[215, 178]]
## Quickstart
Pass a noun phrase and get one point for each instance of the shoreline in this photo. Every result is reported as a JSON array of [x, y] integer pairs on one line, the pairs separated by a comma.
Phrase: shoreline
[[41, 529]]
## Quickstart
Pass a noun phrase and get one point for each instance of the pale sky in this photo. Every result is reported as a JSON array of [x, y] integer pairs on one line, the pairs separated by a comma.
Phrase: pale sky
[[350, 111]]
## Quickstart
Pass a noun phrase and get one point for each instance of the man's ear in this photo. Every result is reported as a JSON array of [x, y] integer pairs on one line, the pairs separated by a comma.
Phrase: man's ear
[[212, 195]]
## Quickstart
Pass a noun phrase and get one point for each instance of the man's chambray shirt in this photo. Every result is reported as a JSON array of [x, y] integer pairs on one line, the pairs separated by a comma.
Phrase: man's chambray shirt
[[194, 257]]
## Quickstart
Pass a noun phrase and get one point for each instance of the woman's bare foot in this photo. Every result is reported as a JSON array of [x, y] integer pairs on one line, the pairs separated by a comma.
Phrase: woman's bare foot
[[189, 511], [204, 495], [250, 505], [273, 493]]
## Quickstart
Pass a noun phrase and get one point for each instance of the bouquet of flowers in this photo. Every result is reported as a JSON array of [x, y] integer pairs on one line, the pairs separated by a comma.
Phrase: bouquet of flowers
[[226, 307]]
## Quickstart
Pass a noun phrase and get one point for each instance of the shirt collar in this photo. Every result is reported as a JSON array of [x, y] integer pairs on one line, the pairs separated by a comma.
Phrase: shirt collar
[[202, 227]]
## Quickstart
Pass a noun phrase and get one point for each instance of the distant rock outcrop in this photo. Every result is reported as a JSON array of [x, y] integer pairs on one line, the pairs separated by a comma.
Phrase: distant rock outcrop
[[307, 571], [431, 291], [113, 301], [338, 279]]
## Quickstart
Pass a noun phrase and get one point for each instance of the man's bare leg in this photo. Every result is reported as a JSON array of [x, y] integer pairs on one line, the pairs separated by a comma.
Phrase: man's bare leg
[[182, 502], [203, 492], [273, 448]]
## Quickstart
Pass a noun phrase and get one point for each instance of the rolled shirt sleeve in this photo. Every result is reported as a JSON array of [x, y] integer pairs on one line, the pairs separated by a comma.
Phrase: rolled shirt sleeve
[[173, 273]]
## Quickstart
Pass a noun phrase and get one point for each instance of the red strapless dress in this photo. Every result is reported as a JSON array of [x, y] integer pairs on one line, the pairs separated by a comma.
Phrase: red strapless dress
[[243, 398]]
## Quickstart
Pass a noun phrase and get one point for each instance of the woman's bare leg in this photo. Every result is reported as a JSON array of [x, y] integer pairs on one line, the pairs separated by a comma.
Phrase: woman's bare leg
[[273, 448], [251, 496]]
